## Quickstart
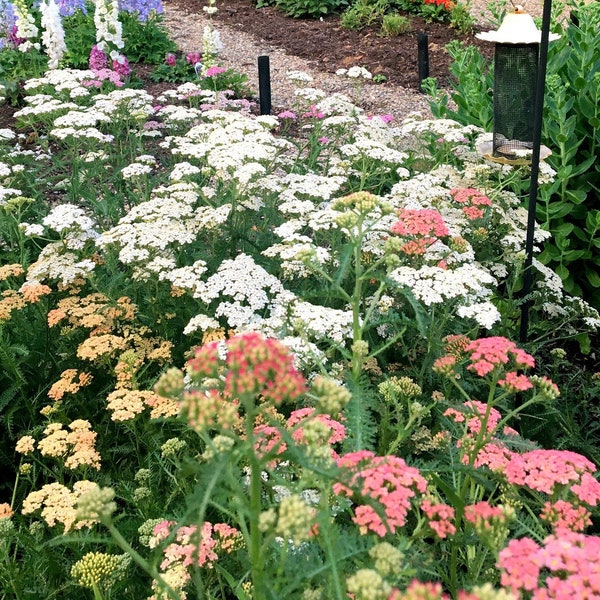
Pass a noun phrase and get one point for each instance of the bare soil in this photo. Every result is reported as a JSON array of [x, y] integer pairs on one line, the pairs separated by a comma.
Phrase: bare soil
[[329, 46]]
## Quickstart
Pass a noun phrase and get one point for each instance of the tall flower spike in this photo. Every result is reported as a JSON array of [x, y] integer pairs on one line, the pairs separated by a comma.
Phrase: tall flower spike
[[53, 35]]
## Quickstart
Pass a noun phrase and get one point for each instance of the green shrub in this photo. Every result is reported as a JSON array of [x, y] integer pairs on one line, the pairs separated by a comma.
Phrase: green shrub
[[146, 41], [80, 36], [310, 8], [363, 13], [472, 88], [394, 24]]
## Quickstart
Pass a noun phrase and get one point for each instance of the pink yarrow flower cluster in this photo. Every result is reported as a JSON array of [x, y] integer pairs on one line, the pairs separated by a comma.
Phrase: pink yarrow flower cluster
[[421, 227], [387, 480], [252, 365], [314, 113], [471, 201], [550, 471], [213, 71], [192, 546], [441, 517], [488, 353], [484, 517], [566, 566], [565, 515], [268, 439]]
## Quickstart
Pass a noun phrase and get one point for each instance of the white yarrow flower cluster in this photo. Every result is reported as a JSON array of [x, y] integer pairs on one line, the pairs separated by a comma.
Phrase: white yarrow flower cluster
[[355, 72], [55, 265], [151, 228], [72, 224], [130, 104], [299, 77], [135, 169], [468, 284], [321, 322], [202, 323]]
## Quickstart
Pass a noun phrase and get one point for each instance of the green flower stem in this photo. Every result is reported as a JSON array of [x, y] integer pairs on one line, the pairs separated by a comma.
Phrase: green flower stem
[[97, 593], [332, 557], [254, 539]]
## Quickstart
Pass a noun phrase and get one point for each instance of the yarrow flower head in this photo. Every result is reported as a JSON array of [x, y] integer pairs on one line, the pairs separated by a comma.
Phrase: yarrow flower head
[[565, 566], [471, 202], [386, 479], [419, 228], [97, 569], [487, 354], [247, 368]]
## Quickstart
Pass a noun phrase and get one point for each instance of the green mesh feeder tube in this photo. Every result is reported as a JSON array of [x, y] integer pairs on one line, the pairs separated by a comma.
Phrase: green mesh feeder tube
[[515, 74], [516, 59]]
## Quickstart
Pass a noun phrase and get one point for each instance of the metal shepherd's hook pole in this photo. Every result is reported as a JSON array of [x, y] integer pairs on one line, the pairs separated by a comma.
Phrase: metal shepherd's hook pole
[[538, 110]]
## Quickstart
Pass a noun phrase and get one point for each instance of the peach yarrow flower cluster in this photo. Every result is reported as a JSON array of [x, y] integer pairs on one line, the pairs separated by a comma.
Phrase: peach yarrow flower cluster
[[58, 504], [76, 447]]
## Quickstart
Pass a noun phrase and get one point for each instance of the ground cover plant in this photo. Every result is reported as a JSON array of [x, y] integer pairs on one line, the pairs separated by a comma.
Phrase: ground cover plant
[[235, 344]]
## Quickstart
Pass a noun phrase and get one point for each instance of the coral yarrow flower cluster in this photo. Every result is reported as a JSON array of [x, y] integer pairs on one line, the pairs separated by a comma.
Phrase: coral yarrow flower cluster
[[491, 355], [253, 365], [471, 201], [420, 228], [565, 566]]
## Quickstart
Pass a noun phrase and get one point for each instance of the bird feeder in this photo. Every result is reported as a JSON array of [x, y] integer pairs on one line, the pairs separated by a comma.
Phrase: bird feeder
[[516, 59]]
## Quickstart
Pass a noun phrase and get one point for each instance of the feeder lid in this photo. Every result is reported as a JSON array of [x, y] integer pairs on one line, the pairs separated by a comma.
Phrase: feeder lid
[[517, 27]]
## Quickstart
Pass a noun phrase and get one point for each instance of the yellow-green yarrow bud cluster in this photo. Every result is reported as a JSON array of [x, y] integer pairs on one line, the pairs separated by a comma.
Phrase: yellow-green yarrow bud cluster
[[312, 594], [267, 520], [361, 202], [171, 383], [393, 246], [142, 475], [172, 447], [546, 388], [95, 569], [388, 559], [487, 592], [399, 387], [96, 505], [346, 220], [295, 519], [315, 433], [360, 348], [141, 493], [146, 531], [221, 444], [331, 396], [25, 468], [6, 528], [368, 584], [458, 244]]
